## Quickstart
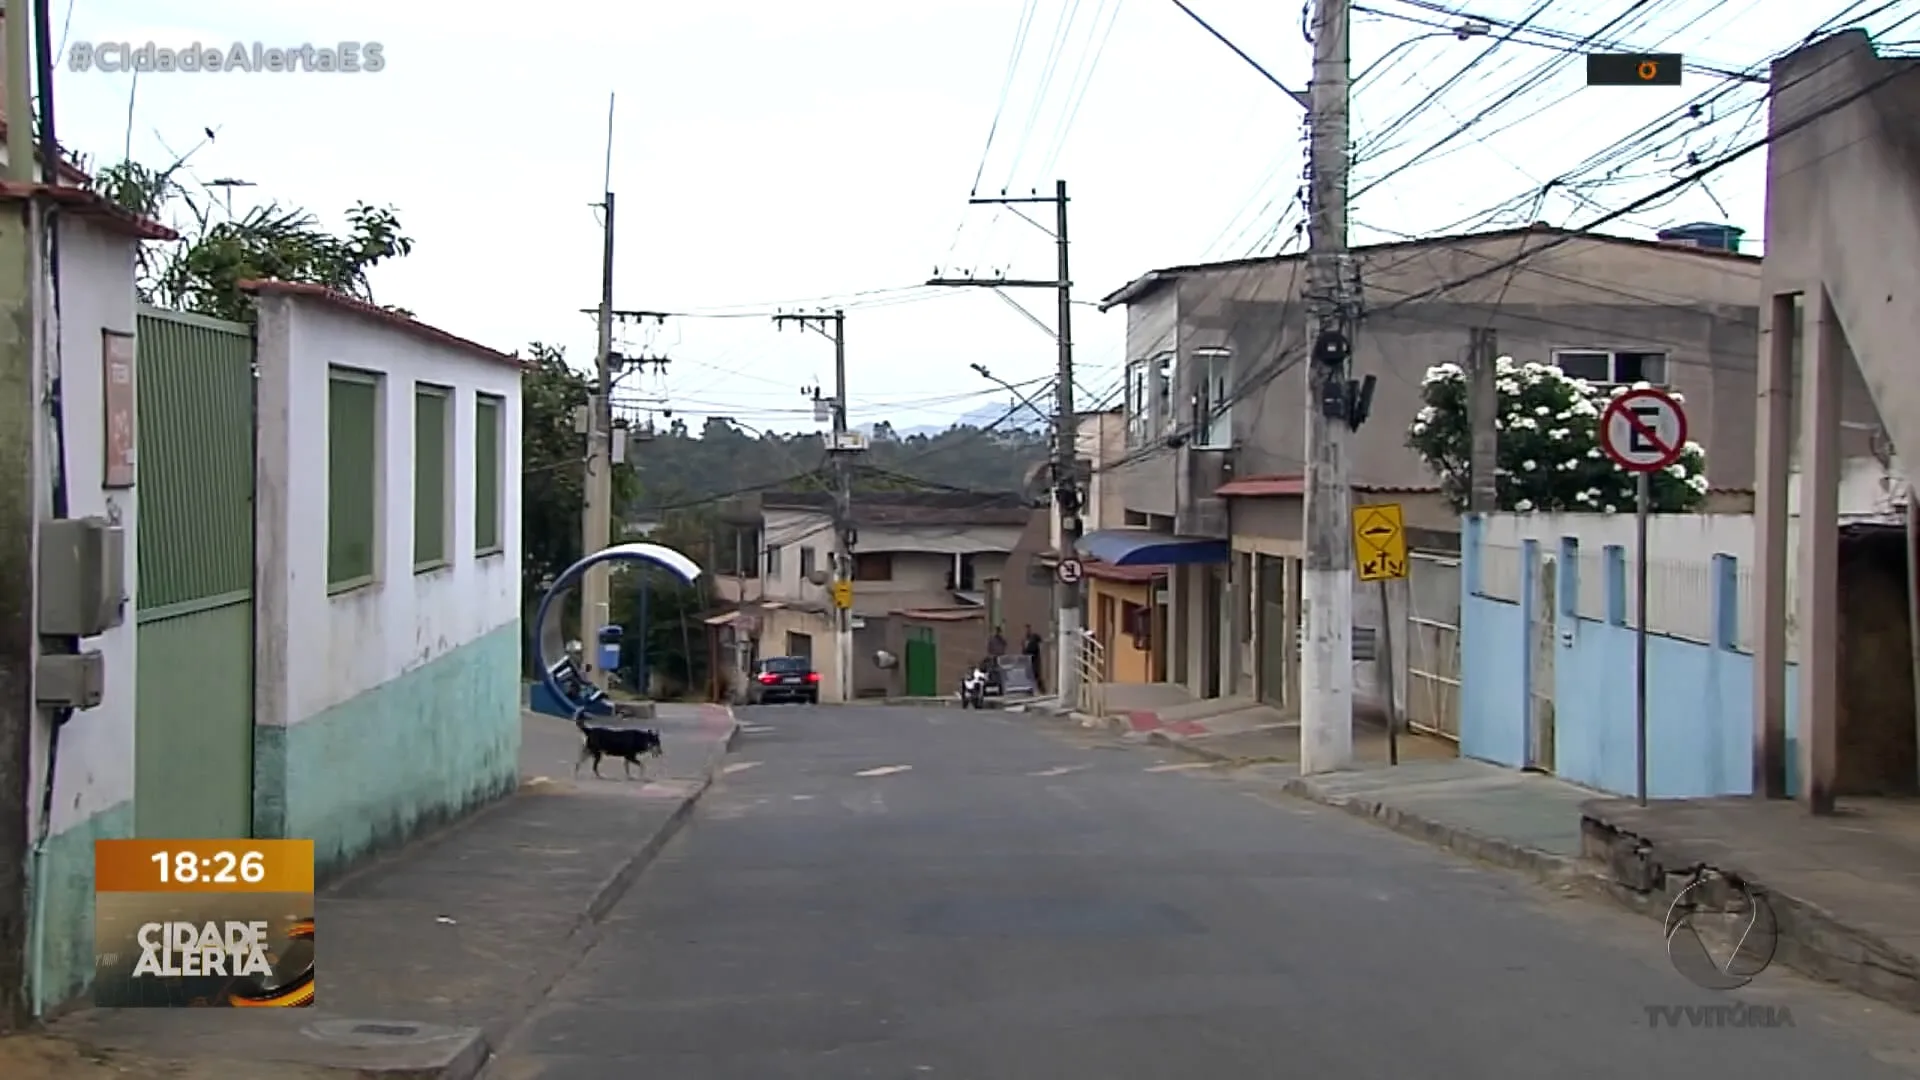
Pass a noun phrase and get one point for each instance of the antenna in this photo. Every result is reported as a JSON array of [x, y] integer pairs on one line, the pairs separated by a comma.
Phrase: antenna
[[607, 185]]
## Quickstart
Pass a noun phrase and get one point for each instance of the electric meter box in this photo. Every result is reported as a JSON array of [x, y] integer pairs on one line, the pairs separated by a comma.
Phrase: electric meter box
[[83, 577]]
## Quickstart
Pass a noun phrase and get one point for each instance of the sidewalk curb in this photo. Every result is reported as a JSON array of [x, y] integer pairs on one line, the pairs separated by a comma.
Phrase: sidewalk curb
[[497, 1034], [1546, 866], [1203, 752]]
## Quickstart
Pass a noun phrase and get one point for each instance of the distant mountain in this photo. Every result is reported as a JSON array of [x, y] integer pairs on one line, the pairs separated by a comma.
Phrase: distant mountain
[[986, 415]]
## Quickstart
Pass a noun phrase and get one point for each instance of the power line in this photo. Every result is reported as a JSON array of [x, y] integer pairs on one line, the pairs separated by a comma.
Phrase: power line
[[1298, 97], [1285, 361]]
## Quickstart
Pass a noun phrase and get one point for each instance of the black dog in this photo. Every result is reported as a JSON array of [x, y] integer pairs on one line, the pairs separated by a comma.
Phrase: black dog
[[627, 744]]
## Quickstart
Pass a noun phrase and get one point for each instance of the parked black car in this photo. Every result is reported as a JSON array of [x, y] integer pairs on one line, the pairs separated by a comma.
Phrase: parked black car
[[785, 678]]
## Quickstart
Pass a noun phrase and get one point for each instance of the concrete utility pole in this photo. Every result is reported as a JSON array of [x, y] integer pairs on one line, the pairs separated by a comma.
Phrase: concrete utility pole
[[19, 489], [1069, 600], [1326, 671], [1483, 403], [597, 524], [840, 448]]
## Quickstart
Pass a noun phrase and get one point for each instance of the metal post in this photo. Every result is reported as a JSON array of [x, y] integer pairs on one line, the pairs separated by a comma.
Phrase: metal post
[[1384, 664], [1326, 691], [1643, 506]]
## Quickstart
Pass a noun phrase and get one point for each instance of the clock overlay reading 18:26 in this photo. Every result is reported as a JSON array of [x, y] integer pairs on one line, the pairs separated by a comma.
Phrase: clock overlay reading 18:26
[[203, 923]]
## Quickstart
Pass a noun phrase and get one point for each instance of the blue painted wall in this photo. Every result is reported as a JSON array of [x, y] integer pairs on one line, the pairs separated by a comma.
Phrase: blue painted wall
[[412, 753], [66, 962], [1699, 696]]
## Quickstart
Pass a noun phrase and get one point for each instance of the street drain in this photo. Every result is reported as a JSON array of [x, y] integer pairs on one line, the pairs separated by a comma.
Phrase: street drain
[[391, 1030], [376, 1033]]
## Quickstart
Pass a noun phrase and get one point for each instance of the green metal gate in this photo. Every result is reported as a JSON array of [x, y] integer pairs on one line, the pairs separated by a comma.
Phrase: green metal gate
[[193, 742], [923, 671]]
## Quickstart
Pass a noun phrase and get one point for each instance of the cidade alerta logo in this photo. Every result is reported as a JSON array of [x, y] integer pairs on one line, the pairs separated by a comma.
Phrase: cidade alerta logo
[[1721, 933]]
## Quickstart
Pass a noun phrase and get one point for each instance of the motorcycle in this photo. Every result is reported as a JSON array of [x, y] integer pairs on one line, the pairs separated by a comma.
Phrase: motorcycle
[[973, 689]]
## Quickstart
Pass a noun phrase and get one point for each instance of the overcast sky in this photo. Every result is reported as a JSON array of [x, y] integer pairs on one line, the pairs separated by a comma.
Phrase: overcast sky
[[768, 152]]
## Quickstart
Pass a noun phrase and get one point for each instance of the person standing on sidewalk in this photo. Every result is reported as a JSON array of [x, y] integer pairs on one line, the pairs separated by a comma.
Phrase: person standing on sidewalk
[[1030, 646]]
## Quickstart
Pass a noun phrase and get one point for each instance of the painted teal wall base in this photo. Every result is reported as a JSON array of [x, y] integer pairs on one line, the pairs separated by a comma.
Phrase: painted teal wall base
[[66, 968], [370, 774]]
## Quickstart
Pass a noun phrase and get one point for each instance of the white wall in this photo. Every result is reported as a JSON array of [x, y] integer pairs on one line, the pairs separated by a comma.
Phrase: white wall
[[95, 770], [316, 650], [922, 556]]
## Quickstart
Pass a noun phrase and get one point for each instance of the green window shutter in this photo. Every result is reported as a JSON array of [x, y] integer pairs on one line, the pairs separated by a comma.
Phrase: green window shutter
[[430, 477], [487, 439], [353, 407]]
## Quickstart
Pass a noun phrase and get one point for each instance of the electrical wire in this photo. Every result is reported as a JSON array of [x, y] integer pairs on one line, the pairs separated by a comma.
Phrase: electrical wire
[[1285, 360]]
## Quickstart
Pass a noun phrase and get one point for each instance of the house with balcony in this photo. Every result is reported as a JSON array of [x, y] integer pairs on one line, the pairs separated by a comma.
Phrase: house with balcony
[[919, 559], [1214, 432]]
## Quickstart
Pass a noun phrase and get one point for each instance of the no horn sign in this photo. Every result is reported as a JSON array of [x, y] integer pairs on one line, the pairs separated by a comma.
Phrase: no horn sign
[[1644, 430]]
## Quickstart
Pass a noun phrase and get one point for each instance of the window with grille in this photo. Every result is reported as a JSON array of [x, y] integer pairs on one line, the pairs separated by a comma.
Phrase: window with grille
[[489, 443], [431, 458], [353, 462], [1613, 367]]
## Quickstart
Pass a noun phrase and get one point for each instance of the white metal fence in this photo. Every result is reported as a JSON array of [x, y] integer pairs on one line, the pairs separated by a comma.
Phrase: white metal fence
[[1092, 658], [1433, 644]]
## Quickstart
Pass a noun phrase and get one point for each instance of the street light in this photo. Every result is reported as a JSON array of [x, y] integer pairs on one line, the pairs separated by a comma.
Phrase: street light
[[1470, 28], [1009, 388]]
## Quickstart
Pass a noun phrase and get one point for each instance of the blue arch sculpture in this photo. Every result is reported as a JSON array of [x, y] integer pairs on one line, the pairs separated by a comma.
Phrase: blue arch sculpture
[[682, 567]]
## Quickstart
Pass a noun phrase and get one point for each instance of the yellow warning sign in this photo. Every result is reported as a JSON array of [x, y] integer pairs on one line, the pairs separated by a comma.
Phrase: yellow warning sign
[[1379, 542], [843, 593]]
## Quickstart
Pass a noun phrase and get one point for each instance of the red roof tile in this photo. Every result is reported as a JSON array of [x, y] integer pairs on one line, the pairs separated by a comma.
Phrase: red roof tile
[[1133, 575], [93, 205], [1296, 486]]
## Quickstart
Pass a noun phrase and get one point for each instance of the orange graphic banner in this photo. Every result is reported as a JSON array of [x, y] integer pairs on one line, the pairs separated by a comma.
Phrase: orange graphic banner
[[203, 866]]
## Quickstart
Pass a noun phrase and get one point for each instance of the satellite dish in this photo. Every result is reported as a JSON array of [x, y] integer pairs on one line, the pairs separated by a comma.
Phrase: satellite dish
[[884, 660], [818, 577]]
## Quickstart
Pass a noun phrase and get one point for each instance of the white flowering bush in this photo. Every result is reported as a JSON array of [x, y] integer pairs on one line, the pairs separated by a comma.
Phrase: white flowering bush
[[1550, 457]]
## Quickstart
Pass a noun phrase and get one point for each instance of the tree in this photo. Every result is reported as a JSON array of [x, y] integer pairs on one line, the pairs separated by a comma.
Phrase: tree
[[202, 271], [1549, 444], [553, 466]]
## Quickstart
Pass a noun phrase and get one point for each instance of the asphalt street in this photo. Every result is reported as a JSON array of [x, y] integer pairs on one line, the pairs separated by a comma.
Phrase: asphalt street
[[903, 893]]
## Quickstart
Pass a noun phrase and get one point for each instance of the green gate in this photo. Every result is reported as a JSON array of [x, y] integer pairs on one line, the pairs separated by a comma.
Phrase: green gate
[[923, 672], [193, 740]]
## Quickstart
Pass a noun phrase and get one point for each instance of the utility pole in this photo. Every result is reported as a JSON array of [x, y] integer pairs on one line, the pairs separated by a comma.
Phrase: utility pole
[[1326, 671], [840, 448], [597, 524], [1483, 401], [1069, 601]]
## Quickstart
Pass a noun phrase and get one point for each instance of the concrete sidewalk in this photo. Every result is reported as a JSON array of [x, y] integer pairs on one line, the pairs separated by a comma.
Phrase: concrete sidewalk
[[431, 956]]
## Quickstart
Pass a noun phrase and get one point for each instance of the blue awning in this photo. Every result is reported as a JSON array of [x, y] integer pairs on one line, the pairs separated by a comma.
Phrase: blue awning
[[1138, 547]]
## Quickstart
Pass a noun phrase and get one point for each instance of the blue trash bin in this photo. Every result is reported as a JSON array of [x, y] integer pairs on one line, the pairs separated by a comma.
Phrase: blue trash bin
[[609, 655]]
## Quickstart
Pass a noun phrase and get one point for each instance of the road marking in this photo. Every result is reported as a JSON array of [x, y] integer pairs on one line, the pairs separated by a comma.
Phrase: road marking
[[739, 766], [884, 770], [1181, 766], [1060, 770], [801, 798], [758, 729]]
